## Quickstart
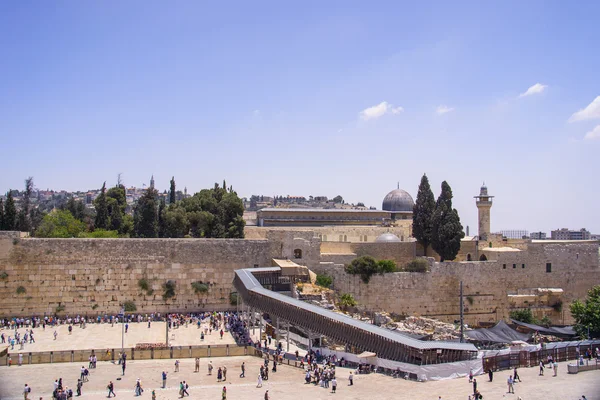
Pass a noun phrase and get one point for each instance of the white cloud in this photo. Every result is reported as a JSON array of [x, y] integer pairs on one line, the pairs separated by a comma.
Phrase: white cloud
[[256, 113], [593, 134], [592, 111], [443, 109], [379, 110], [535, 89]]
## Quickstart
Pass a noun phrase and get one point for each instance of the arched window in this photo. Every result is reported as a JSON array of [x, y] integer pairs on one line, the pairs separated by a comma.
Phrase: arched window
[[297, 253], [341, 238], [468, 257], [345, 238], [483, 258]]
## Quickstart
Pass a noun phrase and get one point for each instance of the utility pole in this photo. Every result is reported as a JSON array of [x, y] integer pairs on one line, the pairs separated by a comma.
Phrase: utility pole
[[462, 338], [122, 315], [167, 330]]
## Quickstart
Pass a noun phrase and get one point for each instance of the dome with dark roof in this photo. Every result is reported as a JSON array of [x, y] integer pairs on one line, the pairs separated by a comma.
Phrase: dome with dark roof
[[387, 238], [398, 200]]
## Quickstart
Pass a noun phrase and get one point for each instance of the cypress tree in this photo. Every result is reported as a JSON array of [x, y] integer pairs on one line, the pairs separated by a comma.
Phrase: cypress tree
[[10, 213], [423, 211], [101, 204], [1, 215], [24, 217], [172, 197], [146, 215], [447, 230], [161, 215]]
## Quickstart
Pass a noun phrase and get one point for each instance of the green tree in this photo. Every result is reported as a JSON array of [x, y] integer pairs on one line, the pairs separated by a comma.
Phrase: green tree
[[1, 215], [161, 219], [423, 211], [346, 301], [525, 315], [10, 213], [338, 199], [172, 196], [447, 230], [324, 280], [386, 266], [76, 208], [60, 224], [145, 217], [587, 314], [365, 266], [101, 204], [24, 217]]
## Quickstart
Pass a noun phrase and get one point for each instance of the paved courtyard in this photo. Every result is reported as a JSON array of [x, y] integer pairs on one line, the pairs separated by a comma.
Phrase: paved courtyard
[[286, 384], [101, 336]]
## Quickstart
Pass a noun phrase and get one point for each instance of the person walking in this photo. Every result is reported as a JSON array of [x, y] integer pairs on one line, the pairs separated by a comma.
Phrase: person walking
[[471, 376], [123, 366], [111, 389], [351, 379], [79, 386], [224, 373], [267, 395], [541, 368], [224, 393], [260, 380], [243, 374], [164, 379], [26, 391], [491, 375], [197, 368], [474, 385], [176, 365], [516, 376], [210, 367], [555, 367], [20, 359], [333, 385], [219, 374], [185, 388]]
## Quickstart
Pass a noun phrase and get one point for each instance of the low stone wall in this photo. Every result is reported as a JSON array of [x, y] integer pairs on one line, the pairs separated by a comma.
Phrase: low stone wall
[[82, 356]]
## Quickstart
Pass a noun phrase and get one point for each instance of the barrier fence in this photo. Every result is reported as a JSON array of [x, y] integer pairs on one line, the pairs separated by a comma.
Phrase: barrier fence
[[175, 352], [559, 351]]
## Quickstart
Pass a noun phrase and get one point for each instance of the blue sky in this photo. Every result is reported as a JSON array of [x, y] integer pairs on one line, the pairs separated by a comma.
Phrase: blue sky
[[310, 98]]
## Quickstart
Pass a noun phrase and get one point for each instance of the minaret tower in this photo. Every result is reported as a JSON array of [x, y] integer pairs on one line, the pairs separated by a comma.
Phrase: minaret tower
[[152, 181], [484, 204]]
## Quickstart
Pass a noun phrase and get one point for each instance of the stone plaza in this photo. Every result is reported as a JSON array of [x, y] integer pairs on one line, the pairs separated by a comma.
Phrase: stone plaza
[[286, 383]]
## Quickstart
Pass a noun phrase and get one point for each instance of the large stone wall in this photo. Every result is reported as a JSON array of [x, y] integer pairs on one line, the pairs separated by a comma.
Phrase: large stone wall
[[489, 286], [91, 276]]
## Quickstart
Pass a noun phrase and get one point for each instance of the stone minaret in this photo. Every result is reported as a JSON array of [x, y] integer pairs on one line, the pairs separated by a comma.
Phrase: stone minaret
[[484, 204]]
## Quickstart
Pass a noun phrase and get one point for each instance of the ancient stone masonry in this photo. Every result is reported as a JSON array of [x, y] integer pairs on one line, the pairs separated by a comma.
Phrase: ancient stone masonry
[[96, 276], [92, 276], [488, 286]]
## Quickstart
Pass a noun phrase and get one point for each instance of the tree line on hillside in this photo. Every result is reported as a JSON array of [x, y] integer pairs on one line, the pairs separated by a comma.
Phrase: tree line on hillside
[[210, 213], [436, 223], [24, 218]]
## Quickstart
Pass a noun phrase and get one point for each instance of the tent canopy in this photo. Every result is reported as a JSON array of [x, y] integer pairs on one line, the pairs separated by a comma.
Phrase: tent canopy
[[567, 331], [500, 333]]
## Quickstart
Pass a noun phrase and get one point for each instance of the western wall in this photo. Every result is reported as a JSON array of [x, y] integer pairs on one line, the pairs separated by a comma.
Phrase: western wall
[[95, 276]]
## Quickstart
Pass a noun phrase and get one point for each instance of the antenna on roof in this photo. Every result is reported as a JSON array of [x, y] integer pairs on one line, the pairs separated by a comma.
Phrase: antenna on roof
[[398, 184]]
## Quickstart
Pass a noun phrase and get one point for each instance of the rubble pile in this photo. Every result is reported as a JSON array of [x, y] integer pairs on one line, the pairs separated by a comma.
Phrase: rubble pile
[[423, 327]]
